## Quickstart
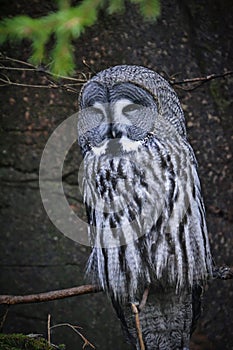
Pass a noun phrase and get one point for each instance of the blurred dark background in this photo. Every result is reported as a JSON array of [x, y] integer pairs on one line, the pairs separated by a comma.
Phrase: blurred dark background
[[190, 39]]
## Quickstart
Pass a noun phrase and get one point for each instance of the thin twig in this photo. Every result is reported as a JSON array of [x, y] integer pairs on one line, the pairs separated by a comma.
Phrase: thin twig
[[89, 67], [4, 318], [138, 327], [51, 85], [198, 81], [54, 295], [74, 328], [7, 81], [41, 69], [144, 299], [207, 78], [48, 328], [17, 69], [6, 58], [186, 84], [60, 81]]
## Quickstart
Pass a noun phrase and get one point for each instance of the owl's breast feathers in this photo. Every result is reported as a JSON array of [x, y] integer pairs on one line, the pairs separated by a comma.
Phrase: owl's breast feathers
[[147, 220]]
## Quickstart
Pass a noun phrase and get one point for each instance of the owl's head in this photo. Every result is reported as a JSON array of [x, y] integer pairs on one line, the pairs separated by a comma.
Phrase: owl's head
[[120, 107]]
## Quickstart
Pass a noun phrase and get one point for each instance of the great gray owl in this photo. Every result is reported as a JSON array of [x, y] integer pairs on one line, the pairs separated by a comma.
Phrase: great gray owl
[[145, 211]]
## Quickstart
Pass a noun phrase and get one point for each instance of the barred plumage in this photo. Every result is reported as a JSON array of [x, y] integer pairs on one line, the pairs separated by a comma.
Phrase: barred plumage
[[145, 211]]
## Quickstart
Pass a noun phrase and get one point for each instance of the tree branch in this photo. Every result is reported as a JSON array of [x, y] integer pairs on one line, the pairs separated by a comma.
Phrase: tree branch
[[197, 82], [138, 326], [144, 299], [222, 273], [70, 83], [52, 81], [75, 329], [53, 295]]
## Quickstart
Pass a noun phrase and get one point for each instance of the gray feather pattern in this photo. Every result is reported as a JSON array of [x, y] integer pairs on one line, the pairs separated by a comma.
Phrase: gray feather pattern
[[145, 209]]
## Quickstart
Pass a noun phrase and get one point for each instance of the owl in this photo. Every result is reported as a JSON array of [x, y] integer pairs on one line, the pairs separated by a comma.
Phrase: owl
[[146, 218]]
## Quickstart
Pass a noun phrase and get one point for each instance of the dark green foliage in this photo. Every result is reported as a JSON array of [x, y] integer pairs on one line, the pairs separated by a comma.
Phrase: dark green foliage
[[66, 24]]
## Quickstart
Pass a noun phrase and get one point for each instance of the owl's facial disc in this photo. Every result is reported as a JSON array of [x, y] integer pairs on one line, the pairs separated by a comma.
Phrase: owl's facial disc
[[120, 120], [112, 128], [119, 125]]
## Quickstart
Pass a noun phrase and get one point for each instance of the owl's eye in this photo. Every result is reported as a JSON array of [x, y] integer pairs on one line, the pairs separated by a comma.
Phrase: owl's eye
[[132, 107], [95, 110]]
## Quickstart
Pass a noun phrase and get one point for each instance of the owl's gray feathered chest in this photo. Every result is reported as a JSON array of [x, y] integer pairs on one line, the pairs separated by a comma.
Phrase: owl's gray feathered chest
[[142, 211], [120, 191]]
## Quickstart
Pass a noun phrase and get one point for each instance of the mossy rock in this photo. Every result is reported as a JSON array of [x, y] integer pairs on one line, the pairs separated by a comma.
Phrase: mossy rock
[[24, 342]]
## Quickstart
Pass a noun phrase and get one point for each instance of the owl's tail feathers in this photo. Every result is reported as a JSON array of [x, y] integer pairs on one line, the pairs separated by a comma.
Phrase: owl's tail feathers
[[165, 322]]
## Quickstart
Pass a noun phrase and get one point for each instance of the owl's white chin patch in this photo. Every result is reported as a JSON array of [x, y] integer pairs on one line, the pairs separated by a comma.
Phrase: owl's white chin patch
[[122, 145], [129, 145], [99, 150]]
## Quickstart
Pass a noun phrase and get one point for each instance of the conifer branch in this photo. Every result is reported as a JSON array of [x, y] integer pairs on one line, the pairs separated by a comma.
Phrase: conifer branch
[[65, 25]]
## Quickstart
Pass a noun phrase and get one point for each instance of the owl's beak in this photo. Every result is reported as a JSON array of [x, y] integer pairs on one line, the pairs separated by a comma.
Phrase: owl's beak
[[118, 130]]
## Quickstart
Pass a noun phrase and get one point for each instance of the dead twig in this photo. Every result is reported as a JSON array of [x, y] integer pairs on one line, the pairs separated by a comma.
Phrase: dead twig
[[197, 82], [4, 317], [136, 311], [6, 58], [138, 327], [88, 66], [53, 295], [60, 81], [222, 273], [41, 69], [144, 299], [48, 328], [186, 84], [5, 80], [74, 328]]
